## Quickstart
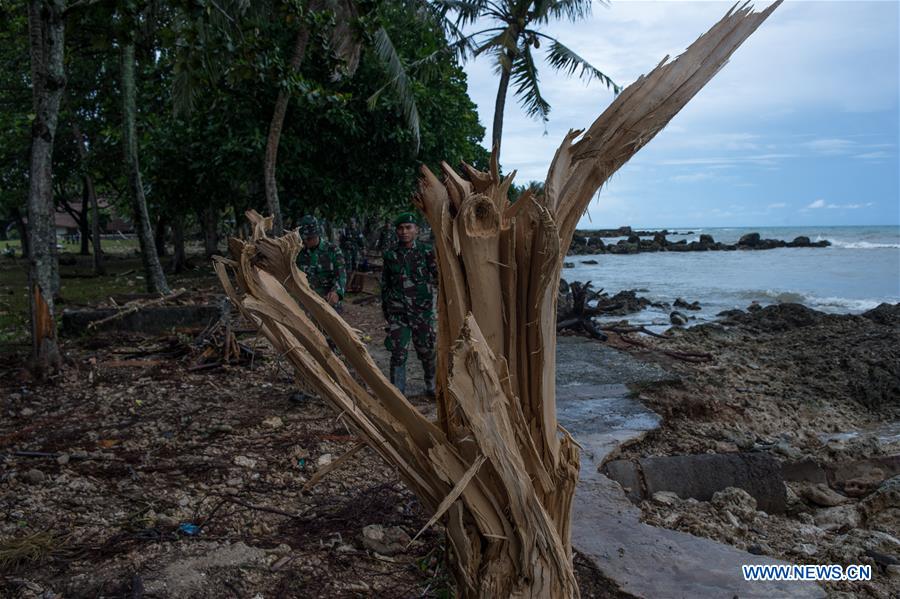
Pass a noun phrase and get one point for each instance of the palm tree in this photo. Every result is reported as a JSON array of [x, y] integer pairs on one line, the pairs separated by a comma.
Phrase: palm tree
[[512, 41]]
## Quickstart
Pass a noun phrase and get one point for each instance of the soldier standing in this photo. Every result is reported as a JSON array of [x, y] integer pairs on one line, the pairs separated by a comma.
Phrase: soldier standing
[[353, 244], [407, 287], [323, 263]]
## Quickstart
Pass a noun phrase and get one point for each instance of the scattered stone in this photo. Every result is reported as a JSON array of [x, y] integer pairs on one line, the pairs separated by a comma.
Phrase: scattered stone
[[841, 517], [821, 494], [361, 587], [62, 459], [324, 460], [34, 477], [736, 501], [26, 412], [386, 540], [882, 508], [273, 422], [807, 549], [244, 462], [666, 498]]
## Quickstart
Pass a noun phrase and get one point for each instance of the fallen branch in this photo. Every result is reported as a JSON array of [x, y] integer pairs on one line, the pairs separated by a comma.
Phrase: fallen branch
[[135, 306]]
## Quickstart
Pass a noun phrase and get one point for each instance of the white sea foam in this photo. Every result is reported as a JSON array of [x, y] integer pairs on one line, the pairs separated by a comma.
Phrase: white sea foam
[[859, 245]]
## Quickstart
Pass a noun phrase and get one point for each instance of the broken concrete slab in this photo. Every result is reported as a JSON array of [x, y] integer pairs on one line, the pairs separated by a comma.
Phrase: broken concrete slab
[[700, 476], [150, 320]]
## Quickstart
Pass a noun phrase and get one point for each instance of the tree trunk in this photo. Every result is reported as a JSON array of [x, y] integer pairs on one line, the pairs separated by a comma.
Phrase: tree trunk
[[46, 30], [210, 219], [496, 467], [499, 107], [277, 123], [153, 272], [22, 228], [88, 182], [84, 225], [159, 236], [179, 258]]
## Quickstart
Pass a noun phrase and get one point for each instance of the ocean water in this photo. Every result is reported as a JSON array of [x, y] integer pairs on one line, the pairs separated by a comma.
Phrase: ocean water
[[860, 270]]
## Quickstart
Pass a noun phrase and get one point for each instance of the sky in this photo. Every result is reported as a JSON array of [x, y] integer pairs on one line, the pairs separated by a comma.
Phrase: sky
[[800, 128]]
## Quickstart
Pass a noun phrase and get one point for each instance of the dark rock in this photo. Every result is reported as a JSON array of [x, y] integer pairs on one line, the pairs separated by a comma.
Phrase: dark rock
[[680, 303], [777, 317], [660, 239], [701, 476], [800, 242], [886, 314], [750, 240], [568, 265], [707, 239], [678, 319], [634, 239], [591, 262]]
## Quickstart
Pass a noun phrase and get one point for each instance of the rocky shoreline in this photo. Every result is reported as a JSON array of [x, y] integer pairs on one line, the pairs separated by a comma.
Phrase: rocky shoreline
[[591, 242], [796, 409]]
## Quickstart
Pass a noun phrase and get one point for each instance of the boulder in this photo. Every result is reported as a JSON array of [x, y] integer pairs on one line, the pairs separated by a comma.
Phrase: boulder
[[678, 319], [680, 303], [800, 242], [749, 240], [707, 239]]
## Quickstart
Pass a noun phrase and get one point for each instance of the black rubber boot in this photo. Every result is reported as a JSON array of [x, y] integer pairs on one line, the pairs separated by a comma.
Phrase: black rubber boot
[[398, 378]]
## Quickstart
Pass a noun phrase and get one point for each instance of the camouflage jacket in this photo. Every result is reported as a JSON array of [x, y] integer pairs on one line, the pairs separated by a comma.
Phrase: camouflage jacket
[[352, 239], [324, 267], [408, 279]]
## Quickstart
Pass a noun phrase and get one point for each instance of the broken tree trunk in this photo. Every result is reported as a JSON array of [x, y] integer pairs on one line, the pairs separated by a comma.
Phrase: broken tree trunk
[[496, 468]]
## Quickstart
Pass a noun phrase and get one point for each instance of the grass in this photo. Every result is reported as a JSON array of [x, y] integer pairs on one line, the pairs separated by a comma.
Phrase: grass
[[78, 286], [35, 548]]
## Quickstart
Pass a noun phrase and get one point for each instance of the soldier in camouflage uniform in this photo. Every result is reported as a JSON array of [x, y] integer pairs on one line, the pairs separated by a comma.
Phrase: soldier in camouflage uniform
[[407, 287], [323, 262], [353, 244]]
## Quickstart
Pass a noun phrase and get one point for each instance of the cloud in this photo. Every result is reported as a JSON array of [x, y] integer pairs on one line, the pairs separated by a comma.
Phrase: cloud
[[820, 203], [777, 205], [692, 178], [877, 155], [830, 147]]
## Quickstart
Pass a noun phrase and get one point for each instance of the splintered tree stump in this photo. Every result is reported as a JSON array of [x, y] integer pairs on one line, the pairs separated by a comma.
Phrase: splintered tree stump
[[496, 468]]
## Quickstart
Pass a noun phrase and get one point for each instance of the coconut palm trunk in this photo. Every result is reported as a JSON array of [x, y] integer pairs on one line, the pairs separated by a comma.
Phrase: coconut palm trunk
[[496, 468], [153, 271], [301, 41]]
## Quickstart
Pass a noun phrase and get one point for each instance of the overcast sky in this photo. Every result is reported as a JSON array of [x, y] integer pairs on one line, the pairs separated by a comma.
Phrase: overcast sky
[[801, 127]]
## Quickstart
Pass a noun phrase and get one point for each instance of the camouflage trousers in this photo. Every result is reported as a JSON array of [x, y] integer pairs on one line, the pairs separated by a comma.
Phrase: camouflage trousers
[[402, 328]]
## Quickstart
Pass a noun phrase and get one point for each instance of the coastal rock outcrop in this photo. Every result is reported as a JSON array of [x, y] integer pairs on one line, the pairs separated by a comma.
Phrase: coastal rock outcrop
[[591, 242]]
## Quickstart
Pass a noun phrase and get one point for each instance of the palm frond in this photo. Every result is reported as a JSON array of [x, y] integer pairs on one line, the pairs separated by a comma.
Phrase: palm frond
[[398, 81], [525, 77], [563, 59], [466, 11], [573, 10], [505, 40]]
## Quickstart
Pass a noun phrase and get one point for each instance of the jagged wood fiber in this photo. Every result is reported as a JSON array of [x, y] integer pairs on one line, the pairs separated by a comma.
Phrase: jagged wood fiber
[[496, 468]]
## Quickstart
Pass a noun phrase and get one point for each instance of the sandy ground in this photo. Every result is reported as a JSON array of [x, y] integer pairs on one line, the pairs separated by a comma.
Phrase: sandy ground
[[134, 475]]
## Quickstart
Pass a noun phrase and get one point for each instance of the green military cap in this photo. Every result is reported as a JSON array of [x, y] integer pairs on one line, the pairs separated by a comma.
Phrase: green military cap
[[309, 226], [405, 217]]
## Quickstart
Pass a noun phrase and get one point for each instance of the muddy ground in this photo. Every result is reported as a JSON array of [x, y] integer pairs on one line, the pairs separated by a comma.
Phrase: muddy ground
[[804, 387], [142, 471]]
